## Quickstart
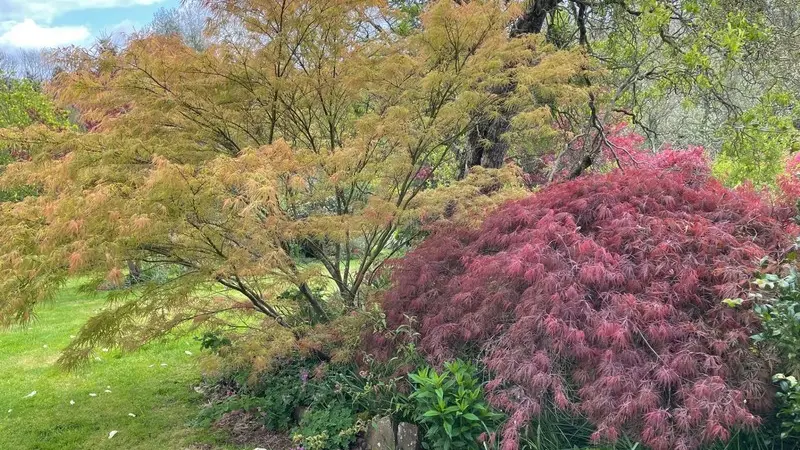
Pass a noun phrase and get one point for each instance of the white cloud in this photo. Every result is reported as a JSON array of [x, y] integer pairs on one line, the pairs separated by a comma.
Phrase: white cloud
[[125, 27], [29, 34], [47, 10]]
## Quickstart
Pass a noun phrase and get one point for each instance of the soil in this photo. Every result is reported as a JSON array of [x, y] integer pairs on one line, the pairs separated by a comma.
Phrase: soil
[[247, 429]]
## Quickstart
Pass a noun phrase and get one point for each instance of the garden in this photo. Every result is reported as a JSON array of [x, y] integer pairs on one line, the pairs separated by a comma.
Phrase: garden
[[407, 224]]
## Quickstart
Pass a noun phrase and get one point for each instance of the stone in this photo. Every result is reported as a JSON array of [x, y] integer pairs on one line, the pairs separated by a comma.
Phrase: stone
[[380, 435], [407, 436]]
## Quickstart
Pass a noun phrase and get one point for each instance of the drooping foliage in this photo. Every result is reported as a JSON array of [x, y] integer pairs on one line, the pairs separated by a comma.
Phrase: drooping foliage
[[305, 128], [602, 297], [24, 106]]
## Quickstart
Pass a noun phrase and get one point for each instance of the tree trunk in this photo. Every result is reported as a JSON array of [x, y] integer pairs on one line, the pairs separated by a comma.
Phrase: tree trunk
[[134, 272], [534, 17], [485, 145]]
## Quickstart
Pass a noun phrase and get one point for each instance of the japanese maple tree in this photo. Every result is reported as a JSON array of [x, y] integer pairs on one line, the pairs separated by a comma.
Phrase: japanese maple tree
[[602, 296], [304, 127]]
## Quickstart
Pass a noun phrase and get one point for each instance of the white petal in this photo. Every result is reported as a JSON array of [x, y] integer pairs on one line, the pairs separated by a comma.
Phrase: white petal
[[92, 394], [72, 336], [188, 352], [132, 414], [107, 391], [9, 411], [163, 364], [105, 349], [72, 402], [112, 434], [44, 346], [97, 358], [151, 365], [30, 395], [108, 387]]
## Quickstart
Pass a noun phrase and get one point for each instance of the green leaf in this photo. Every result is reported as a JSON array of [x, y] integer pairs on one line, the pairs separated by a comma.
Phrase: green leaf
[[448, 428], [732, 302]]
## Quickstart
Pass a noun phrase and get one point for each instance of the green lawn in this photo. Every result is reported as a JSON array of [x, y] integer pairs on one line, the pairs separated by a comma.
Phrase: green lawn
[[154, 384]]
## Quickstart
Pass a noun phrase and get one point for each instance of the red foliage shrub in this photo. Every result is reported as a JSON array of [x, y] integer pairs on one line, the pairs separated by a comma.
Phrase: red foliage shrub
[[602, 296]]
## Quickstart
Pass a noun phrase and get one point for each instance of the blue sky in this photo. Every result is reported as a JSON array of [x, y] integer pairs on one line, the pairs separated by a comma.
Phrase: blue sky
[[35, 24]]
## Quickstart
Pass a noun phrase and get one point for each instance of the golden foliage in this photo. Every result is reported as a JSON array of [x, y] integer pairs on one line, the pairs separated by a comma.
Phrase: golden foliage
[[305, 126]]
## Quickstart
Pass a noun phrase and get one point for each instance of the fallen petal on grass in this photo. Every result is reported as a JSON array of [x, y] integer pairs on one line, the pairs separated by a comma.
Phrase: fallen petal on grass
[[72, 402], [92, 394], [30, 395], [132, 414], [112, 434], [188, 352], [107, 391]]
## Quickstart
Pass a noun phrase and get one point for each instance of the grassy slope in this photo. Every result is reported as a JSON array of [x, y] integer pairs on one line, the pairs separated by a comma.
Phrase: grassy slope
[[161, 397]]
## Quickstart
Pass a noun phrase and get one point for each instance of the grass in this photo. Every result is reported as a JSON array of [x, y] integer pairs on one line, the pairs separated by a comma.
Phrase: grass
[[154, 384]]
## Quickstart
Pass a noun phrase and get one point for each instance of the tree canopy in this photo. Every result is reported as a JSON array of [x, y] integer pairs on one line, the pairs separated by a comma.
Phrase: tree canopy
[[306, 128]]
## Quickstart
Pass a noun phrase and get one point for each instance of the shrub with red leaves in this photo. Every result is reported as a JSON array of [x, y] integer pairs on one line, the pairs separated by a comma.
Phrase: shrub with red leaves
[[602, 296]]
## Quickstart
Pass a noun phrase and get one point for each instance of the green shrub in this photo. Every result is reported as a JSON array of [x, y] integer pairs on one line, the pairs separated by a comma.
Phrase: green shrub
[[779, 311], [777, 304], [789, 397], [450, 406]]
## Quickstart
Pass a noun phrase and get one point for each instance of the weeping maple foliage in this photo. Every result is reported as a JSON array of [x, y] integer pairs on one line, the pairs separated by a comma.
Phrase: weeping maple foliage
[[602, 297], [306, 127]]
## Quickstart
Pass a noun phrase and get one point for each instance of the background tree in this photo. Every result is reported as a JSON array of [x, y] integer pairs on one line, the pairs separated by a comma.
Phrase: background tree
[[683, 72], [187, 21], [23, 106], [33, 65]]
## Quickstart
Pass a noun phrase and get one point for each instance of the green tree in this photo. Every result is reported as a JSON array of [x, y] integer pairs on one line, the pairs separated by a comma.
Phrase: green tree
[[23, 106], [685, 72]]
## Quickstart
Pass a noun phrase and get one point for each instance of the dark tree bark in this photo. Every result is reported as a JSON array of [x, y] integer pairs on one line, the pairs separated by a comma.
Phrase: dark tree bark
[[534, 17], [134, 272], [485, 145]]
